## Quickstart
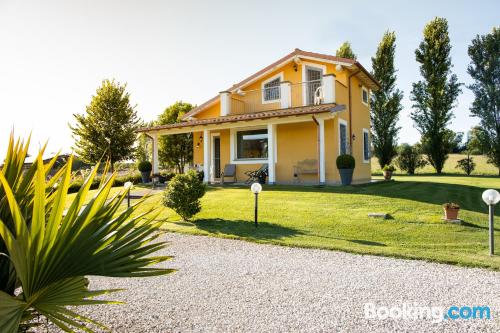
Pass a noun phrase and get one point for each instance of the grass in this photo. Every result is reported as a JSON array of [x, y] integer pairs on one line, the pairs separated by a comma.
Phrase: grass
[[482, 167], [336, 218]]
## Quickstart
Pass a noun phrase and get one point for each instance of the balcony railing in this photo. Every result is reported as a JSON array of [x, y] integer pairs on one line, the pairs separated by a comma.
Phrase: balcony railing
[[286, 95]]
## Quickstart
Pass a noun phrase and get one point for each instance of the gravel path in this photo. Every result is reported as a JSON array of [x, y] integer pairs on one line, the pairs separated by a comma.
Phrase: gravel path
[[234, 286]]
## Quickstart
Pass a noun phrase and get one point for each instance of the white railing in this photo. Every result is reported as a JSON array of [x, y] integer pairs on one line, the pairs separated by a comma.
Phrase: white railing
[[286, 95]]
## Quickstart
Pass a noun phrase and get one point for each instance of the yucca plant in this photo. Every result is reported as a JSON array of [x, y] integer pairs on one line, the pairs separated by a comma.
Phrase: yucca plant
[[47, 251]]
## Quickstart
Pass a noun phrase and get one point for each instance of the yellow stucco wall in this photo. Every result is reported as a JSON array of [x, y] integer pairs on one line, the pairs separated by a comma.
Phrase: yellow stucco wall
[[298, 141]]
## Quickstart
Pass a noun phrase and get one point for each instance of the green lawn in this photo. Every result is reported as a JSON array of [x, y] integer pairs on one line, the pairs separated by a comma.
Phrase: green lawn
[[336, 218], [482, 168]]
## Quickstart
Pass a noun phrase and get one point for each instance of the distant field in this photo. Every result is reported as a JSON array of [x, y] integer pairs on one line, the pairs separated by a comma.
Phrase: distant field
[[482, 168]]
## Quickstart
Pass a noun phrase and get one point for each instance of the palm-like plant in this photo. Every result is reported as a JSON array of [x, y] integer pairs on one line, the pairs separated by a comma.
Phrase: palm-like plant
[[50, 250]]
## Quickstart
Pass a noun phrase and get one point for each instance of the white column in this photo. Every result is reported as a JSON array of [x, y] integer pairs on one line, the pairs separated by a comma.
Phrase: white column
[[225, 103], [206, 156], [329, 88], [285, 95], [322, 167], [155, 153], [271, 138]]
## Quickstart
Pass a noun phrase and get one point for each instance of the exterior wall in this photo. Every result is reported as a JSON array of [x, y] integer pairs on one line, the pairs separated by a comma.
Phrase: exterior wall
[[296, 142], [360, 120]]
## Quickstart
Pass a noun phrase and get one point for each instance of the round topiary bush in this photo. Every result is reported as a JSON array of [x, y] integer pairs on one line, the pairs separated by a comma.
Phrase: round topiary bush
[[345, 161], [183, 194], [144, 166]]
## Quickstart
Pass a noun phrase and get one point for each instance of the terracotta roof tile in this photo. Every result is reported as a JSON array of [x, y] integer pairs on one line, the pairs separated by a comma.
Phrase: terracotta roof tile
[[296, 111]]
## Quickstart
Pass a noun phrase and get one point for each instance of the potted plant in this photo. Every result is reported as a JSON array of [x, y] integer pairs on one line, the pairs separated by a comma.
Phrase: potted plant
[[451, 211], [346, 164], [145, 168], [388, 170]]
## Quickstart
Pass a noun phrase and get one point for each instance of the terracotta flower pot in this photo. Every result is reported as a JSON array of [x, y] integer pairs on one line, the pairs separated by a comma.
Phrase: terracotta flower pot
[[451, 213], [387, 175]]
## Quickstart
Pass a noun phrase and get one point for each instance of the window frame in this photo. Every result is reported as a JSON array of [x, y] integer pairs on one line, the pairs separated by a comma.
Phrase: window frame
[[344, 123], [263, 87], [367, 132], [234, 149], [364, 89]]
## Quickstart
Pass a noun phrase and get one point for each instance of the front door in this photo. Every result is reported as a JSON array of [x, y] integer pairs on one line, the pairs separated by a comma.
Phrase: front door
[[216, 157], [313, 77]]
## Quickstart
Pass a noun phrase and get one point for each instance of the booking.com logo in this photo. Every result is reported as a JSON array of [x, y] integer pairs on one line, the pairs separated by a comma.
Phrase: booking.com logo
[[436, 313]]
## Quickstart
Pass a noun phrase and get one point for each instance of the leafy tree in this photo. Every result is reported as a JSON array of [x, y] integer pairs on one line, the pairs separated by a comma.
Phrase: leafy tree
[[474, 141], [466, 164], [107, 130], [386, 102], [485, 70], [457, 145], [345, 51], [409, 158], [183, 194], [435, 96], [175, 150], [48, 252]]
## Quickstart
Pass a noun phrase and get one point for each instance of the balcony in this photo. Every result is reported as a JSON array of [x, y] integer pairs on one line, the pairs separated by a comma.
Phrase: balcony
[[283, 96]]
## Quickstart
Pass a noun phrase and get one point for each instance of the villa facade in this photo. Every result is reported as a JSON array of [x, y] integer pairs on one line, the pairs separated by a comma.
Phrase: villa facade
[[295, 115]]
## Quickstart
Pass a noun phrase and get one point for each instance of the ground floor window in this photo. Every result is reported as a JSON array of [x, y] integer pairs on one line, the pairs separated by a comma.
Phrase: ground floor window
[[366, 145], [343, 138], [251, 144]]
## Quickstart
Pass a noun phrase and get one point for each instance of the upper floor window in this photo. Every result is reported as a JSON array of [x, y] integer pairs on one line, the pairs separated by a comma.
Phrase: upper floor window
[[271, 89], [364, 95]]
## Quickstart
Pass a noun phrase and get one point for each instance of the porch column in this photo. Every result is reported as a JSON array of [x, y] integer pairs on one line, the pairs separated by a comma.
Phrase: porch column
[[321, 142], [225, 103], [154, 136], [206, 156], [271, 142], [285, 95], [329, 88]]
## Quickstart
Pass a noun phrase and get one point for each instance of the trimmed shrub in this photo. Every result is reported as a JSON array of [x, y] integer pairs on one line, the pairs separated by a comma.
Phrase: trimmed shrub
[[183, 194], [345, 161], [410, 159], [144, 166]]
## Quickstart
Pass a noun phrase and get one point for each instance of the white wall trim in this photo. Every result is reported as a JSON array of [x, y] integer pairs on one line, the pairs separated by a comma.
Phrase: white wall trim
[[212, 153], [363, 88], [312, 65], [365, 130], [232, 146], [342, 121], [206, 154], [272, 78]]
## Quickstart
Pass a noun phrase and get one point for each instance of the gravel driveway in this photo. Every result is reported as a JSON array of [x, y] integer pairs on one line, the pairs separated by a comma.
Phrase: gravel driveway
[[234, 286]]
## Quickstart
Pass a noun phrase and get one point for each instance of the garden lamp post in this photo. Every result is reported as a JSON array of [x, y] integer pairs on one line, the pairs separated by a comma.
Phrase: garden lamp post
[[128, 186], [256, 188], [491, 198]]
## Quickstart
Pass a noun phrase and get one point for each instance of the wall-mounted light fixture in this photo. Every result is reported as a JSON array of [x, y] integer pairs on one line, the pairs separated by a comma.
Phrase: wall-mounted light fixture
[[200, 141], [353, 137]]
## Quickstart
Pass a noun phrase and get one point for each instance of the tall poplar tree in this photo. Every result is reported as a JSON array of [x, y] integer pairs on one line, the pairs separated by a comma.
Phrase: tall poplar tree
[[107, 129], [435, 96], [485, 70], [386, 102]]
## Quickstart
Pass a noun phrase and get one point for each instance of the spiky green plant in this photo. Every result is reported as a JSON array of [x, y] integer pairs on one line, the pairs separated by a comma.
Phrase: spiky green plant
[[50, 250]]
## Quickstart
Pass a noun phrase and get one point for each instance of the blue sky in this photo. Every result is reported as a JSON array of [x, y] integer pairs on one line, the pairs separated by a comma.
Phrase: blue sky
[[54, 54]]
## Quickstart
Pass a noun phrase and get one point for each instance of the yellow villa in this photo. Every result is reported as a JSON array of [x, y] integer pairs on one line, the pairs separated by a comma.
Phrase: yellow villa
[[295, 116]]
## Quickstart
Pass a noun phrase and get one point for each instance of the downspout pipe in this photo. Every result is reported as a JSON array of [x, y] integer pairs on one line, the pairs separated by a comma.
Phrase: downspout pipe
[[350, 106]]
